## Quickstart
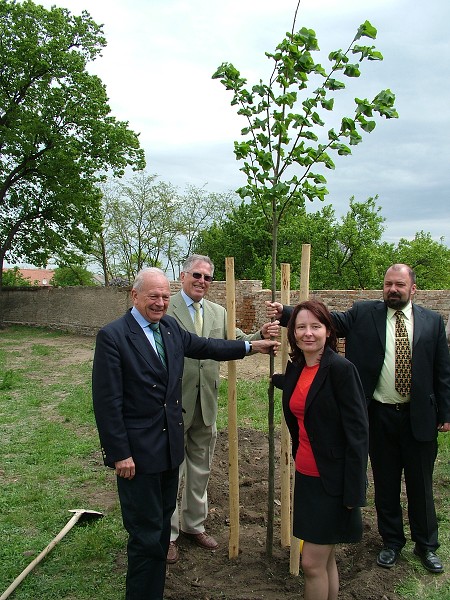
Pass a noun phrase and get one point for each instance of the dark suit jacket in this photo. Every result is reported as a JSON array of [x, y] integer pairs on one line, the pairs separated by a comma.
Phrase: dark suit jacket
[[137, 402], [364, 327], [336, 422]]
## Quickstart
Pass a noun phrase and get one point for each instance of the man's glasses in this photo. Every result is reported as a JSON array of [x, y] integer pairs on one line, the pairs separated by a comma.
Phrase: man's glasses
[[207, 278]]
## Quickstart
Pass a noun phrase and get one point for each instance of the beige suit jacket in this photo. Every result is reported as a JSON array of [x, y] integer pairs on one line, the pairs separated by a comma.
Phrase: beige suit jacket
[[201, 377]]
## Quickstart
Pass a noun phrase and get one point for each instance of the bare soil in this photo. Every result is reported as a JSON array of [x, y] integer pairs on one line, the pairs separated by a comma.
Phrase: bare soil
[[205, 575]]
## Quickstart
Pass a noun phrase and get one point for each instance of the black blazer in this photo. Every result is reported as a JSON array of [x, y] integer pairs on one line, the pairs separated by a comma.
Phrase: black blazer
[[336, 422], [364, 327], [137, 402]]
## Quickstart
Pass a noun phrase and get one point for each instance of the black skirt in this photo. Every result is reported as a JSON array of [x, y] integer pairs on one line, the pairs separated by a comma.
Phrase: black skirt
[[320, 518]]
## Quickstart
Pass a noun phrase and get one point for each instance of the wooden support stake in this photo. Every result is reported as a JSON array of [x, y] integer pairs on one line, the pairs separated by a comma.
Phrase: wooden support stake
[[285, 438], [294, 562], [233, 475]]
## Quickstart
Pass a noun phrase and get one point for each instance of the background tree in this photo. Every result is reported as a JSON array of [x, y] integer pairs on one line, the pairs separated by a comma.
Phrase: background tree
[[355, 259], [243, 234], [14, 278], [283, 141], [196, 209], [70, 275], [429, 259], [150, 223], [56, 133], [345, 254], [139, 223]]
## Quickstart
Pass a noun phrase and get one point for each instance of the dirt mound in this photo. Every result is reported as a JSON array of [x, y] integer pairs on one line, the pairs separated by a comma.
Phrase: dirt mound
[[203, 575]]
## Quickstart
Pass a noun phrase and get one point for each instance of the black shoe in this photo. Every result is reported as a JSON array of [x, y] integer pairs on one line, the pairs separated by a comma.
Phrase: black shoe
[[430, 560], [387, 557]]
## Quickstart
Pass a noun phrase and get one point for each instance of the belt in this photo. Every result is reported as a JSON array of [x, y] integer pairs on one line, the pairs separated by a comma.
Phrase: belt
[[394, 405]]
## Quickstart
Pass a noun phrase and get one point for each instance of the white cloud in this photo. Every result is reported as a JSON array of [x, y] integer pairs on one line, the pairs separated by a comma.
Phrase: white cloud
[[161, 55]]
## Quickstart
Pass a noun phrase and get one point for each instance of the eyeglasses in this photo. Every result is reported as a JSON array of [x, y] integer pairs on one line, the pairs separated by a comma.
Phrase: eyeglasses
[[207, 278]]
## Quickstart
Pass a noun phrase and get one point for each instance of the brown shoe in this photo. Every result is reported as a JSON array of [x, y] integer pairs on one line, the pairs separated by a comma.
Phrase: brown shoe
[[203, 540], [172, 554]]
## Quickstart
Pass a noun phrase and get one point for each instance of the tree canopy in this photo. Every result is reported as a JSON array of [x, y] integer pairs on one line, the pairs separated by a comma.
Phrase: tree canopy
[[148, 223], [346, 253], [57, 136]]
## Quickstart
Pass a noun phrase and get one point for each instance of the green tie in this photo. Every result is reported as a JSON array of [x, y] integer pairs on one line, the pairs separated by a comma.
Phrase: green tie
[[402, 356], [198, 320], [159, 343]]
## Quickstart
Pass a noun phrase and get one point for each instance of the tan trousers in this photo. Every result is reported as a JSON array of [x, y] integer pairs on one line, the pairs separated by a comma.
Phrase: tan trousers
[[199, 442]]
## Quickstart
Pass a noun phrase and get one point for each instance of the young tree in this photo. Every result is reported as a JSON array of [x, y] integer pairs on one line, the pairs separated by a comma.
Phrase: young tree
[[56, 133], [283, 141]]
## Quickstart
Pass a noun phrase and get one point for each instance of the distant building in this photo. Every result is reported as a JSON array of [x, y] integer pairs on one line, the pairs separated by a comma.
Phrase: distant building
[[40, 277]]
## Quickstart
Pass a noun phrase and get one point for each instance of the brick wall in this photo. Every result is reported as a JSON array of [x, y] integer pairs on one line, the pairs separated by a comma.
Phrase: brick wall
[[85, 310]]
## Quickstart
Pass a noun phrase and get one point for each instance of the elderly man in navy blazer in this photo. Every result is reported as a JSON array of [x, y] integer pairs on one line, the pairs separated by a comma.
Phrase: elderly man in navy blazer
[[137, 375], [404, 425]]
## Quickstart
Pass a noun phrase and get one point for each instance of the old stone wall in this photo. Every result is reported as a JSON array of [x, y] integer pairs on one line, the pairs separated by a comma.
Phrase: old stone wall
[[85, 310]]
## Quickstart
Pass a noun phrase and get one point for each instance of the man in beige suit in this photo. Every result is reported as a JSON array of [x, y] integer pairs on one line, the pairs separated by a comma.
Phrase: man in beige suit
[[200, 390]]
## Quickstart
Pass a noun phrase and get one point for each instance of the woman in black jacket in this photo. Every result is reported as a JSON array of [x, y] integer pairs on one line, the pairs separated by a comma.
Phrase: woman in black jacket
[[325, 411]]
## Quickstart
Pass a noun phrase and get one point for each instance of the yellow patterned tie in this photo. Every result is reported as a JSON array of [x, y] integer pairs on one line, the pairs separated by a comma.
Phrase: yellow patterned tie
[[402, 356], [158, 342], [198, 320]]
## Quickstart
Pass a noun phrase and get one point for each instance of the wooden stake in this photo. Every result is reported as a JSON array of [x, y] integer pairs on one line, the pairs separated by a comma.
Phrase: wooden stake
[[285, 438], [294, 562], [233, 474]]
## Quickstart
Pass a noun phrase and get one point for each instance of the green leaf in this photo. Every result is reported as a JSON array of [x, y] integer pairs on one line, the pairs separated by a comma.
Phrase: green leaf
[[347, 124], [365, 125], [332, 135], [263, 140], [366, 30], [316, 119], [241, 149], [327, 104], [352, 70], [334, 84], [355, 138], [364, 107], [338, 56], [342, 149], [368, 52]]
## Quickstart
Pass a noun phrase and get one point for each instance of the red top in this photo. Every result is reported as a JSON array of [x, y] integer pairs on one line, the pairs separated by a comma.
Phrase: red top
[[305, 462]]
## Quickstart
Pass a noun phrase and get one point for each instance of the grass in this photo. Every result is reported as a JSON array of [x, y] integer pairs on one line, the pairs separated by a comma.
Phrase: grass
[[251, 405], [51, 463]]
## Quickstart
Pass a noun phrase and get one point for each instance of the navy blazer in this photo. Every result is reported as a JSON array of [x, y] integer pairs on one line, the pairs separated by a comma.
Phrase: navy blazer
[[137, 402], [336, 422]]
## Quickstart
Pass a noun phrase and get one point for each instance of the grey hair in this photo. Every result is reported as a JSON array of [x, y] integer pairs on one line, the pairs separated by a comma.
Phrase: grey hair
[[139, 280], [193, 258]]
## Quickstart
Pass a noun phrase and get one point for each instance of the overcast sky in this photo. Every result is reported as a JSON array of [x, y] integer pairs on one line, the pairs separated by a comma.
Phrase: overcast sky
[[161, 55]]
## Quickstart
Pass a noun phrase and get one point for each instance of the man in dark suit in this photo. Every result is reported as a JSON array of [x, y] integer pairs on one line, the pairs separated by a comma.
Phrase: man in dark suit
[[403, 425], [136, 388]]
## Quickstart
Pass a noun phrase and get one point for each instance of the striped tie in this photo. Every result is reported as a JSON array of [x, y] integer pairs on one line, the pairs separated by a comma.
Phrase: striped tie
[[159, 343]]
